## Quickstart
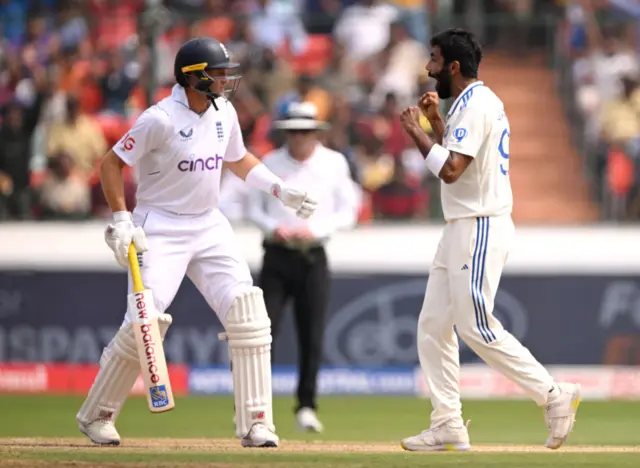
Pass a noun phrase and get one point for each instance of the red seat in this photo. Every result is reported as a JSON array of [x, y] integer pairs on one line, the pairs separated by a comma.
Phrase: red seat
[[314, 58]]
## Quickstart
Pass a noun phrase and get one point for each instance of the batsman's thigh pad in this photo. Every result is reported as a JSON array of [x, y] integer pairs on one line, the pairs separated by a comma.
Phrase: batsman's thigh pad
[[248, 331], [218, 268], [164, 265], [119, 369]]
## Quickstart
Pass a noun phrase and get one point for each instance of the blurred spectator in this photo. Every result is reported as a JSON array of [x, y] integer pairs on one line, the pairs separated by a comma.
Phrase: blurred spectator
[[10, 75], [14, 164], [243, 48], [40, 43], [73, 27], [75, 70], [516, 33], [64, 194], [363, 28], [340, 77], [385, 126], [271, 78], [216, 23], [621, 115], [323, 21], [18, 124], [116, 82], [402, 198], [114, 22], [341, 135], [375, 167], [415, 14], [604, 76], [79, 136], [276, 23], [13, 15], [607, 58], [249, 109], [399, 67]]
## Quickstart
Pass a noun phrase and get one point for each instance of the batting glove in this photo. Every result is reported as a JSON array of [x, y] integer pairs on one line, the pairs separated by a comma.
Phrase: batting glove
[[121, 233], [300, 201]]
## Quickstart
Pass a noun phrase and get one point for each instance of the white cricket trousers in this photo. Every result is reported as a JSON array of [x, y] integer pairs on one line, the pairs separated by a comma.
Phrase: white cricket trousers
[[463, 281], [202, 247]]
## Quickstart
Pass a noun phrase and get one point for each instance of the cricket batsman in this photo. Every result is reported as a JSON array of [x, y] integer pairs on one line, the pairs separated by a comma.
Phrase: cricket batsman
[[178, 148], [471, 157]]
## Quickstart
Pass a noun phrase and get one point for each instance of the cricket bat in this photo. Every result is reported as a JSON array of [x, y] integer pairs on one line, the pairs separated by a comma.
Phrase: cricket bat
[[153, 364]]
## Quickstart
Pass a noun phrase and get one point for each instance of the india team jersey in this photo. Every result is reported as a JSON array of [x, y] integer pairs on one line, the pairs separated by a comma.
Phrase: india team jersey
[[477, 126], [178, 154]]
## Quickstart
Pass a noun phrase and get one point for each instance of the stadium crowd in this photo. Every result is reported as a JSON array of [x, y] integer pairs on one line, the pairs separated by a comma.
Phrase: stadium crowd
[[600, 54], [73, 75]]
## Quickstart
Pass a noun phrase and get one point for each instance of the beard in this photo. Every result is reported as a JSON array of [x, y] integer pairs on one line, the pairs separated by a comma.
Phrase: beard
[[443, 84]]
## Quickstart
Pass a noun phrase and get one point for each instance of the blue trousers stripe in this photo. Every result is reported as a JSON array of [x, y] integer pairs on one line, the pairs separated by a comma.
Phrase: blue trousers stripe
[[477, 278]]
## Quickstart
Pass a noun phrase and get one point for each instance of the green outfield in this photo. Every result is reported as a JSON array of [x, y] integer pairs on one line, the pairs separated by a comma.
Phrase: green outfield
[[360, 432]]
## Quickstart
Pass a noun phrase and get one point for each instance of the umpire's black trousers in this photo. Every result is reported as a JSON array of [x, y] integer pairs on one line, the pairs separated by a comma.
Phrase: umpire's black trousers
[[304, 277]]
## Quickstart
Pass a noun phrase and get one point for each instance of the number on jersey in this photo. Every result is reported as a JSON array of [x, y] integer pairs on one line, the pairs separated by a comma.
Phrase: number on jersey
[[503, 149]]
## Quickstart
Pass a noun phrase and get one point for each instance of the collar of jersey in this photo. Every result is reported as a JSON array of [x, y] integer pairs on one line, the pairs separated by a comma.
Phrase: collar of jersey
[[464, 97], [181, 116]]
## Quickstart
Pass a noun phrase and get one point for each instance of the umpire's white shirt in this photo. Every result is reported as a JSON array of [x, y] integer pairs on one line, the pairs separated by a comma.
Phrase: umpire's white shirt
[[178, 154], [477, 126], [326, 176]]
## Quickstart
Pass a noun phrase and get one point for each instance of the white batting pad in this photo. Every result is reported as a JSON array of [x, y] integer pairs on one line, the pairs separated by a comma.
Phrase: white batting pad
[[249, 334], [119, 369]]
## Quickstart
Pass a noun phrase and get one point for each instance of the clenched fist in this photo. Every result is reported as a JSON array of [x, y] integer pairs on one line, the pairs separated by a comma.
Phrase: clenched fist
[[121, 233], [429, 105], [410, 119]]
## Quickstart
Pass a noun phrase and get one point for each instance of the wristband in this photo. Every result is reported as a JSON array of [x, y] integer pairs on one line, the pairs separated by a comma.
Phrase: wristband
[[119, 216], [262, 178], [436, 159]]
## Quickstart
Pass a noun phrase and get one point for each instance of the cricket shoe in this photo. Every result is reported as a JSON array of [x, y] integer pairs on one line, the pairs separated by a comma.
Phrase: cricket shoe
[[260, 436], [560, 413], [308, 421], [448, 437], [101, 432]]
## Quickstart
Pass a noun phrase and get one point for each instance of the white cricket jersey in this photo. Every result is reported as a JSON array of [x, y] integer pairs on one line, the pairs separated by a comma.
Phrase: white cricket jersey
[[178, 154], [477, 126], [325, 175]]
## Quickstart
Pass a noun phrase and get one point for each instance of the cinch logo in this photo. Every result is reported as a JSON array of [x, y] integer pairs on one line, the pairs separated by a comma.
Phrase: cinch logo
[[194, 165]]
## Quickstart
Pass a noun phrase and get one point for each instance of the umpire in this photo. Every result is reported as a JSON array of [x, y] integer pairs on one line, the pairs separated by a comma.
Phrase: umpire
[[295, 262]]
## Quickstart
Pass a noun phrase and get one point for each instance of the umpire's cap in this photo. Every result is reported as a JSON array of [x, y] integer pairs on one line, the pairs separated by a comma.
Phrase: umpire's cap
[[198, 55]]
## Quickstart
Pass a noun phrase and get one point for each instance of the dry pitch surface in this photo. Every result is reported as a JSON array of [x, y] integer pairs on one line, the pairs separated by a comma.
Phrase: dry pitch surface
[[227, 453], [287, 446]]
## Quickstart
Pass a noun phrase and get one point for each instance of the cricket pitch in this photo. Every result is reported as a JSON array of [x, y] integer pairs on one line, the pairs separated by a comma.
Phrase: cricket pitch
[[159, 445]]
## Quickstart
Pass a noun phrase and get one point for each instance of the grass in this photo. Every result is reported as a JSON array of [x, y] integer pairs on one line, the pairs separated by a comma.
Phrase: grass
[[355, 428]]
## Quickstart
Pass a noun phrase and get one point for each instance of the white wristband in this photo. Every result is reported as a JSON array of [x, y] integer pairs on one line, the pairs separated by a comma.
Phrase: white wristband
[[436, 158], [262, 178], [122, 216]]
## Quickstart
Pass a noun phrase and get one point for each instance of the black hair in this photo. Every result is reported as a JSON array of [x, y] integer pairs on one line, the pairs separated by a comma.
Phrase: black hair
[[462, 46]]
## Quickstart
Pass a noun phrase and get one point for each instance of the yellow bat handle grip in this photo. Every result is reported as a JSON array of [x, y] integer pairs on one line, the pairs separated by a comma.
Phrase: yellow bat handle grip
[[134, 266]]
